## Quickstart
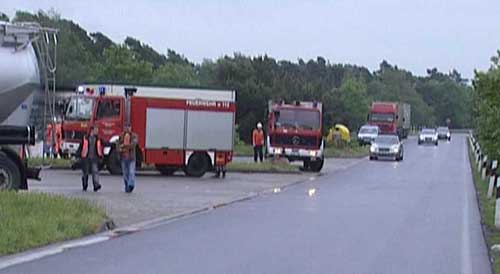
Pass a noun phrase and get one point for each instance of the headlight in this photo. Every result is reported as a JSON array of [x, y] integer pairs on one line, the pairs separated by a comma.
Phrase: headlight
[[420, 137], [373, 148], [395, 148], [314, 153], [278, 151], [448, 134]]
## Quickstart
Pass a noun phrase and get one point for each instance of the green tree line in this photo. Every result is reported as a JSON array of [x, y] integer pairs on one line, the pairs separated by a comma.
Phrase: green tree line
[[346, 90], [487, 108]]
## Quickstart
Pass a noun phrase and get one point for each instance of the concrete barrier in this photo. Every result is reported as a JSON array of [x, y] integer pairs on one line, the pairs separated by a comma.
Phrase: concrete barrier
[[484, 167], [497, 204], [493, 178]]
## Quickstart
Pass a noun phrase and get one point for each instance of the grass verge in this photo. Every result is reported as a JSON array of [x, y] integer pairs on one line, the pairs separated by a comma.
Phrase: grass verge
[[352, 150], [30, 220], [243, 150], [266, 166], [487, 208], [55, 163]]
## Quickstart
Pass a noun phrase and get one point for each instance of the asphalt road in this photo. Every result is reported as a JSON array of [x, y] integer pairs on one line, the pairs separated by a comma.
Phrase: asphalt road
[[417, 216]]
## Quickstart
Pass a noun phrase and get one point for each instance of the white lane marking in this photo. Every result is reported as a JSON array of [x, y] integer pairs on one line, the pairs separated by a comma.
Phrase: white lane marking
[[32, 256], [466, 256]]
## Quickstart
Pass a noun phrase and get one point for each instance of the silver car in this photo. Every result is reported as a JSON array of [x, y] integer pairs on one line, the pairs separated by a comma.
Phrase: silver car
[[367, 134], [429, 136], [444, 133], [387, 146]]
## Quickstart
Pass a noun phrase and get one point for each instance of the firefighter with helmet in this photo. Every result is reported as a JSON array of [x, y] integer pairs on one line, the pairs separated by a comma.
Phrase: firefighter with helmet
[[258, 143]]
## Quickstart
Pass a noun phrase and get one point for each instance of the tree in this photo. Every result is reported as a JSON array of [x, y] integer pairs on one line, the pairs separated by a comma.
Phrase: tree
[[4, 17], [355, 103], [175, 75], [145, 53], [487, 91], [121, 66]]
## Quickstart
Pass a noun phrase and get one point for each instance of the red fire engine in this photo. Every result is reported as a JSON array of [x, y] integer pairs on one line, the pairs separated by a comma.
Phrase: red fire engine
[[295, 132], [178, 128]]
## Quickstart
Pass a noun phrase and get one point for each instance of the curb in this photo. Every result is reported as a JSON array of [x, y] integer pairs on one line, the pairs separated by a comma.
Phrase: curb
[[478, 201], [229, 171], [108, 230]]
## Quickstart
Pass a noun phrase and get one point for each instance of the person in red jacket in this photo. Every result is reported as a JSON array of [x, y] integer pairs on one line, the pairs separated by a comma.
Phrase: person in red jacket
[[258, 143], [91, 151]]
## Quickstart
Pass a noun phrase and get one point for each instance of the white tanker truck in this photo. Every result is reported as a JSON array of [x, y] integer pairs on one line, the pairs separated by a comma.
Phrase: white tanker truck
[[25, 59]]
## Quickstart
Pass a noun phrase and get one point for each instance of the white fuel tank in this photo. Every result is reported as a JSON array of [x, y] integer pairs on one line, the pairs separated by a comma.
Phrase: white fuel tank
[[19, 78]]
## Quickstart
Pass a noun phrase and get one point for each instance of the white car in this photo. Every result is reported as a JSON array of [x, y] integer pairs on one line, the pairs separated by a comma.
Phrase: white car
[[367, 134], [428, 135]]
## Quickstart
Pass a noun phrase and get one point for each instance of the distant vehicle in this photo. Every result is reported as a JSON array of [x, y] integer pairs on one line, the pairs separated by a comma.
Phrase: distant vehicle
[[444, 133], [391, 118], [367, 134], [295, 132], [428, 135], [387, 146]]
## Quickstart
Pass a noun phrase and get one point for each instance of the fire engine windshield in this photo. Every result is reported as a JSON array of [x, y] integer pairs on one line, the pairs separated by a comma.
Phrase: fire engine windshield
[[300, 119], [80, 108], [382, 117]]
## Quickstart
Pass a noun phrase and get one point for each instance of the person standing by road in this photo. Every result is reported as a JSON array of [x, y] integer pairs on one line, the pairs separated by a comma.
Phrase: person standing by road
[[91, 151], [127, 144], [258, 143]]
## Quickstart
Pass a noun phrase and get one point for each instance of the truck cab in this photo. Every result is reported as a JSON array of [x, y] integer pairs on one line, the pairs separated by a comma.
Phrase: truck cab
[[295, 133], [86, 109], [384, 115]]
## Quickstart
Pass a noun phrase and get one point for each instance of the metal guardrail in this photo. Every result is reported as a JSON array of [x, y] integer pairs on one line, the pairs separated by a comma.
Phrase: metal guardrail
[[487, 169], [462, 130]]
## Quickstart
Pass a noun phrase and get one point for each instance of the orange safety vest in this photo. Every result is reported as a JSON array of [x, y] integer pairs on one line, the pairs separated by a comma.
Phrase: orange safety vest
[[58, 137], [258, 137], [85, 147]]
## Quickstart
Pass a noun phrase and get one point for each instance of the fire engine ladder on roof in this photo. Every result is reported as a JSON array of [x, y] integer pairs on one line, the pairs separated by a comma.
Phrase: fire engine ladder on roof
[[44, 41]]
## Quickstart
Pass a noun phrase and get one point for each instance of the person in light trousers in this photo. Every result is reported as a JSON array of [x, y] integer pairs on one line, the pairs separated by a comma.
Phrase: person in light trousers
[[127, 144]]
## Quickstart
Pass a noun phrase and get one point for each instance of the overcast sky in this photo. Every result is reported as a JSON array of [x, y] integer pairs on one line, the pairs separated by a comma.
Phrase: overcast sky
[[413, 34]]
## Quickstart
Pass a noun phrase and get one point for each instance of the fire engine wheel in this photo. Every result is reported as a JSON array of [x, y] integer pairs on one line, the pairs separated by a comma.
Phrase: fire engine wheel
[[166, 170], [306, 165], [198, 165], [10, 176], [316, 166], [113, 163]]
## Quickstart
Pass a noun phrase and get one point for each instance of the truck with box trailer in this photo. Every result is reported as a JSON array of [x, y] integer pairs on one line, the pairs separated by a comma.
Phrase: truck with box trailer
[[391, 118]]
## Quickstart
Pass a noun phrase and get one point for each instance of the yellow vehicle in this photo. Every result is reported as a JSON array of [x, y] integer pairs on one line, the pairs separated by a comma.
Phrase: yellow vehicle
[[337, 133]]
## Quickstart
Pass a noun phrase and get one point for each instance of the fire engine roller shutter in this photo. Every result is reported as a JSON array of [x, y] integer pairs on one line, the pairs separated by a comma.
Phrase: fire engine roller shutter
[[209, 130], [165, 128]]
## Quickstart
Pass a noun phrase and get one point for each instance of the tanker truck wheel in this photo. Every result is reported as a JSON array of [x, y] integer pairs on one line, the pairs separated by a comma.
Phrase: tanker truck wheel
[[198, 165], [10, 176], [316, 166], [113, 163]]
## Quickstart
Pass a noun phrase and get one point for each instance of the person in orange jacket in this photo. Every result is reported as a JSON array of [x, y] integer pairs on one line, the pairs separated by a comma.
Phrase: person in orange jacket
[[258, 143], [58, 140], [91, 151]]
